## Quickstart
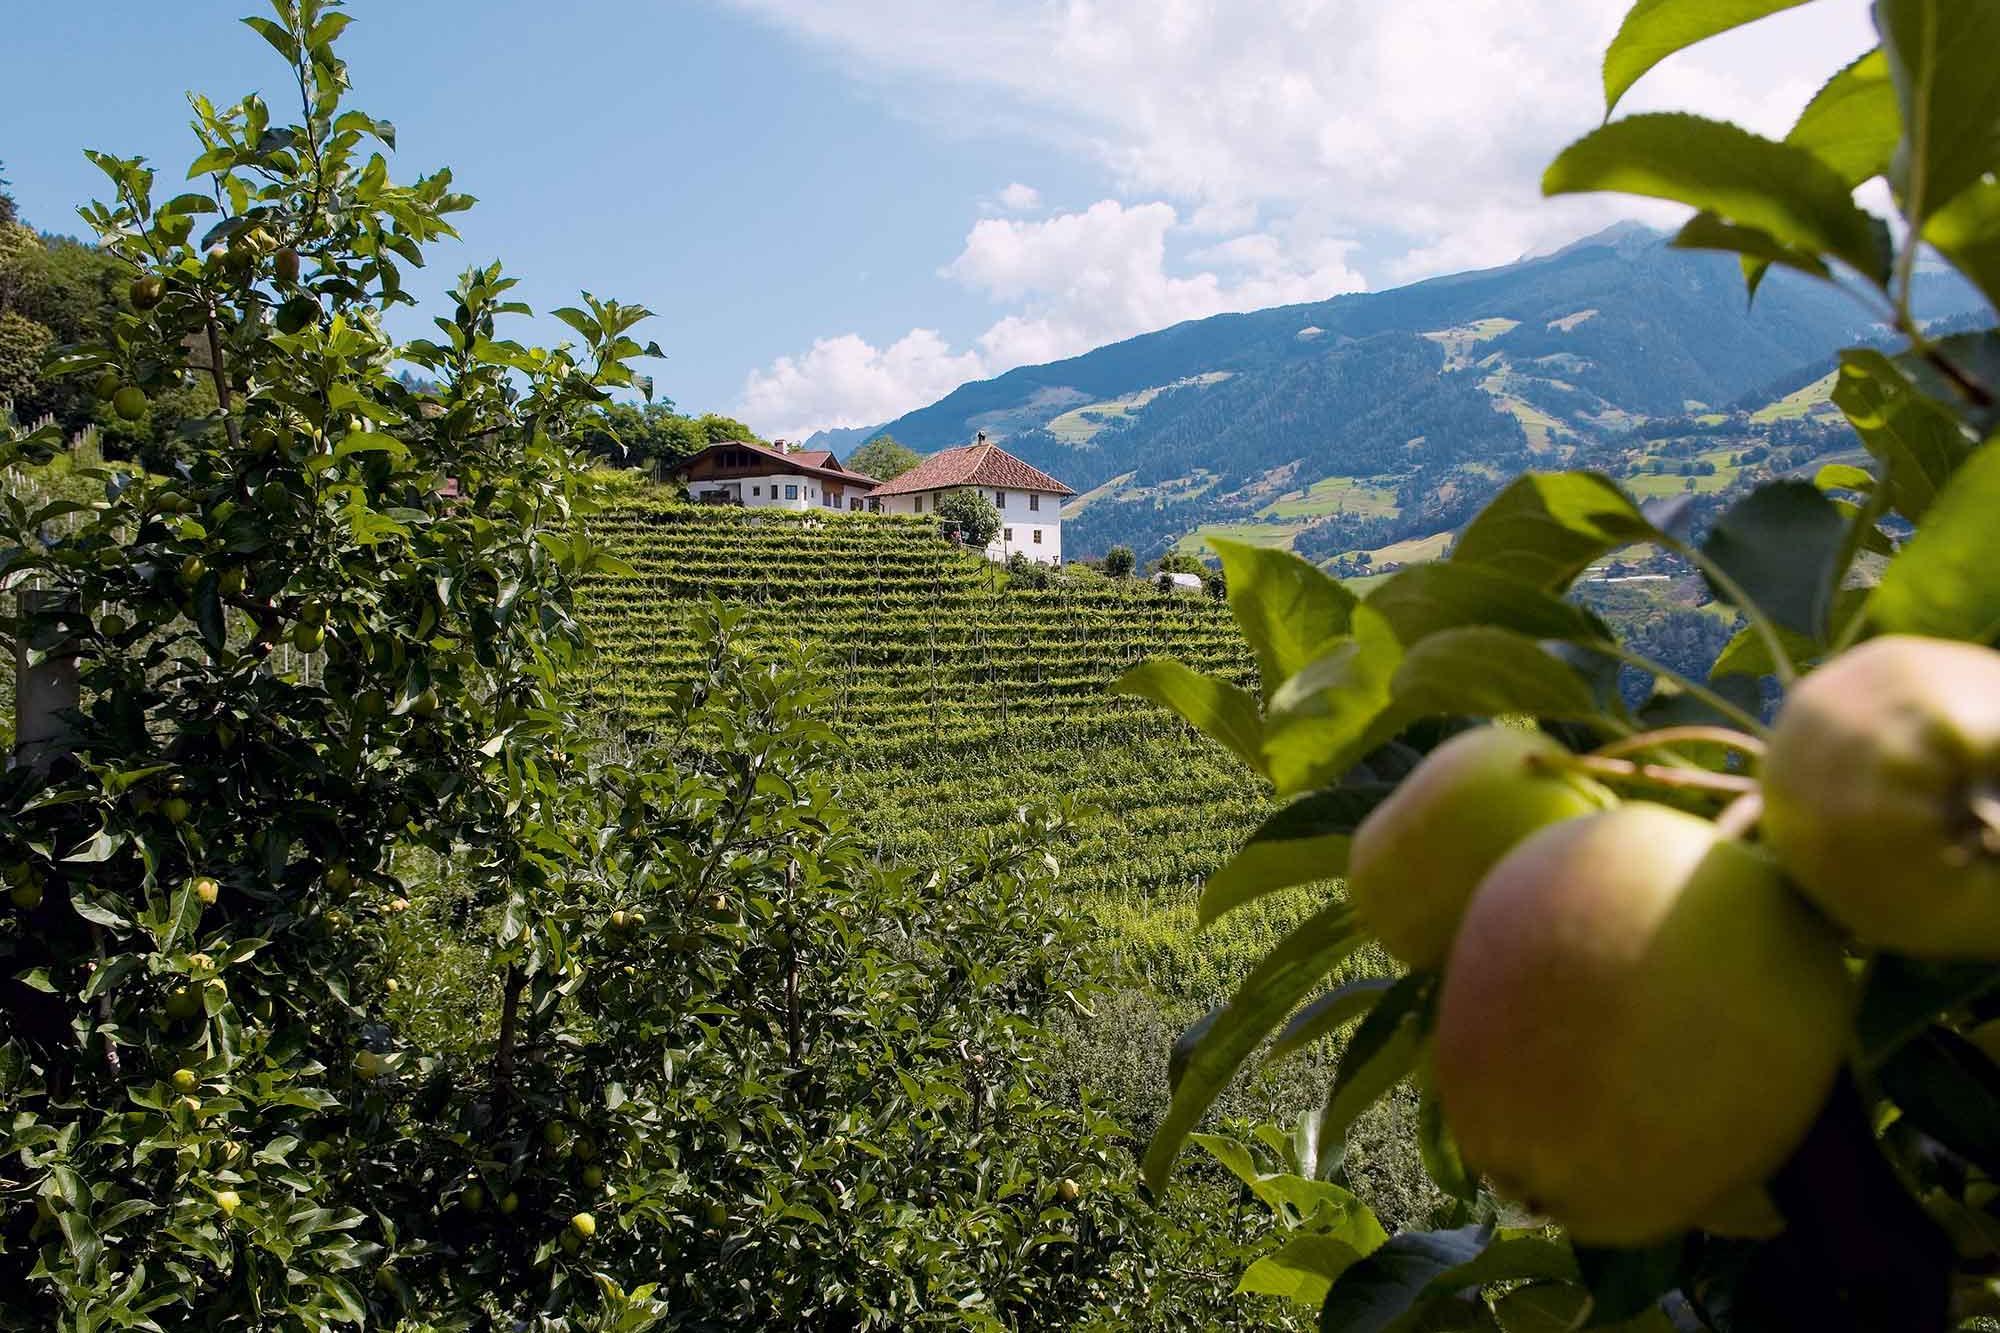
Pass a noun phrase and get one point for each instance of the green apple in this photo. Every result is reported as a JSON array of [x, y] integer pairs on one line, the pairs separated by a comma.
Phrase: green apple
[[508, 1203], [147, 291], [129, 402], [1639, 1021], [207, 890], [185, 1080], [1882, 795], [228, 1201], [1419, 855], [584, 1225]]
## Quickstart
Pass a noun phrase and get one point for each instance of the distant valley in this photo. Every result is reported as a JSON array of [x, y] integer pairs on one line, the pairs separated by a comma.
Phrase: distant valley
[[1362, 430]]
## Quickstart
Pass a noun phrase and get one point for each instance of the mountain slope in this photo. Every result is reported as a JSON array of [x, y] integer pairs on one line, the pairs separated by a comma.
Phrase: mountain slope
[[1433, 392]]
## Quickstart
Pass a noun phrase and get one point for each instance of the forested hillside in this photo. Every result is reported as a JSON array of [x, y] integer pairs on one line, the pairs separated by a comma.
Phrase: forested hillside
[[1348, 426]]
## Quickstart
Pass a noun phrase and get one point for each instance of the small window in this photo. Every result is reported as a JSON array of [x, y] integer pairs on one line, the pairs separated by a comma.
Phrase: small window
[[920, 504], [791, 492], [1007, 534], [854, 504], [757, 492], [999, 499], [1034, 504], [1038, 536]]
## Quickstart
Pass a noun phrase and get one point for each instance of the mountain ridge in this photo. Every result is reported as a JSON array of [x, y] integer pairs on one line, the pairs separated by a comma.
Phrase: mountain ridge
[[1432, 390]]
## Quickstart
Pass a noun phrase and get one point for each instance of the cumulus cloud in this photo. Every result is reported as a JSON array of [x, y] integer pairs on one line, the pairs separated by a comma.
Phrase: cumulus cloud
[[1075, 281], [1019, 198], [1288, 149], [848, 381], [1421, 124]]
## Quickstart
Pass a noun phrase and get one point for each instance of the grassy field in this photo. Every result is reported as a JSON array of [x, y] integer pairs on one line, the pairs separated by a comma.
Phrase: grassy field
[[1335, 495], [1254, 534], [1461, 343], [1813, 400], [1080, 424], [1415, 551], [1096, 493], [1651, 486]]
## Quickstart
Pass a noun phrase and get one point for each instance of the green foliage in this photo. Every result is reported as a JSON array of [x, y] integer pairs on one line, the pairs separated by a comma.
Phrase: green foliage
[[1656, 29], [352, 974], [969, 516], [1119, 562], [883, 459], [955, 697], [1884, 1205]]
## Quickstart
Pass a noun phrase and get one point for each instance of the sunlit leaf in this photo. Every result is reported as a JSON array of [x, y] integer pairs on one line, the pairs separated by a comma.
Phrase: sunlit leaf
[[1942, 583], [1281, 979], [1656, 29], [1303, 843], [1288, 609], [1777, 188], [1545, 528], [1216, 708]]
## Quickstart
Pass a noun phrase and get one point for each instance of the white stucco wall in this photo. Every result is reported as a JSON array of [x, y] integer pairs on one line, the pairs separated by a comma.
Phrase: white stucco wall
[[1030, 521], [767, 492]]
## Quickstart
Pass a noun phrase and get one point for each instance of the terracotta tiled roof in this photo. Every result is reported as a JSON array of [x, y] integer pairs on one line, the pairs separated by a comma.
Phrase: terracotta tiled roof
[[973, 465], [781, 462]]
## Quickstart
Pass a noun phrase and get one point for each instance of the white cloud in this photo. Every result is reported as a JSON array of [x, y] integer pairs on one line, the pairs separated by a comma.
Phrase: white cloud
[[1074, 280], [1285, 150], [847, 381], [1019, 198], [1420, 124]]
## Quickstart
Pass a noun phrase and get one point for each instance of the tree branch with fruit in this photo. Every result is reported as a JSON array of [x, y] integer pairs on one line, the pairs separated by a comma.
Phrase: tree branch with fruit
[[1698, 991]]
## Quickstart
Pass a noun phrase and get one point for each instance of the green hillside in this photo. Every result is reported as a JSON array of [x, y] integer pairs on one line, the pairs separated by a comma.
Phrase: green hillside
[[1428, 397], [961, 696]]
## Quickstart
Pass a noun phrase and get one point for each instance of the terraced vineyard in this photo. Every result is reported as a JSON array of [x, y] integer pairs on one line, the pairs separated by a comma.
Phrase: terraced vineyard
[[961, 697]]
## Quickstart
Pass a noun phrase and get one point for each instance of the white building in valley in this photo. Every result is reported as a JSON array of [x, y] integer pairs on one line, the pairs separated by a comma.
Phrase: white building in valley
[[758, 476], [1029, 500]]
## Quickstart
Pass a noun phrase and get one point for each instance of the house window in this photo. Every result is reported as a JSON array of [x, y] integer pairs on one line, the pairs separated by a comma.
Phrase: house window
[[1007, 534], [791, 492], [920, 504], [999, 499], [1038, 536], [757, 492], [1034, 504], [854, 505]]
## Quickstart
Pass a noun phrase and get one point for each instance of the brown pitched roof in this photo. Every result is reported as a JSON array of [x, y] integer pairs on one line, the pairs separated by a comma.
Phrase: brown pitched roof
[[973, 465], [812, 463]]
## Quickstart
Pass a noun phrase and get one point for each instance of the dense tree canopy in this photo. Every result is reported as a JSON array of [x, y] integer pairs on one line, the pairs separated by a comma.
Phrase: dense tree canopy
[[883, 458]]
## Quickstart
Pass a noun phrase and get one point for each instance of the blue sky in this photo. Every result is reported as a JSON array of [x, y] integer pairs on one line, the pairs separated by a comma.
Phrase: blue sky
[[843, 208]]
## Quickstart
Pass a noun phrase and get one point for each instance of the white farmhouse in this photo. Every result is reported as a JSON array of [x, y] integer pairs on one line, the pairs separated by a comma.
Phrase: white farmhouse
[[1029, 500], [757, 476]]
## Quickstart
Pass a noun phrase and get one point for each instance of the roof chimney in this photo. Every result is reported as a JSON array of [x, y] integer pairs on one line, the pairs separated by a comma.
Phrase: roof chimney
[[981, 439]]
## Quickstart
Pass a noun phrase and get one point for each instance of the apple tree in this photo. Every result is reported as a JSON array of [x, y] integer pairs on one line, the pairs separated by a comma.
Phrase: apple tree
[[1700, 993]]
